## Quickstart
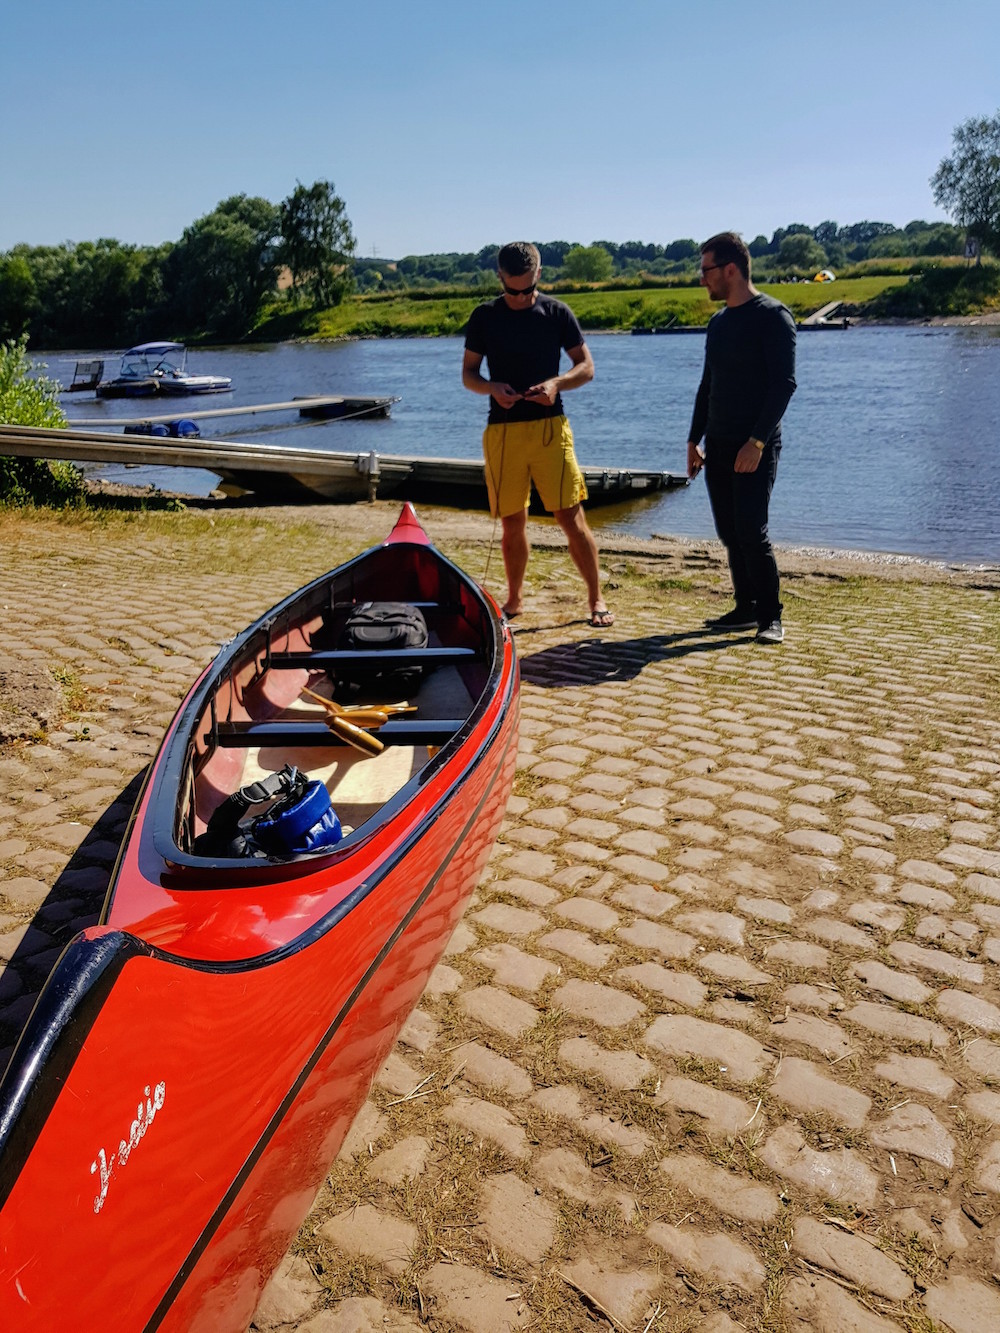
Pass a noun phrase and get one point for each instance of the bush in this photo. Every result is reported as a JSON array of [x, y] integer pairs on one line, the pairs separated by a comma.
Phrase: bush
[[29, 399], [940, 291]]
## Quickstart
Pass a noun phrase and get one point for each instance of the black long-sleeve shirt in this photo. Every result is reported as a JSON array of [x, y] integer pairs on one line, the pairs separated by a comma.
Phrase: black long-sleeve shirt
[[749, 373]]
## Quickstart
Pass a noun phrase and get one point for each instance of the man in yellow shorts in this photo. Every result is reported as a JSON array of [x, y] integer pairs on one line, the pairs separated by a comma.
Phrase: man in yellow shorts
[[522, 335]]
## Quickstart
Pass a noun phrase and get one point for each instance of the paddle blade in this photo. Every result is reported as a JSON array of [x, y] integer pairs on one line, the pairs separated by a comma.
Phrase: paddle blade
[[361, 740]]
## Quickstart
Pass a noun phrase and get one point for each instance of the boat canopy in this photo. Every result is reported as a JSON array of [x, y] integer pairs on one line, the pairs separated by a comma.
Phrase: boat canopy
[[150, 349]]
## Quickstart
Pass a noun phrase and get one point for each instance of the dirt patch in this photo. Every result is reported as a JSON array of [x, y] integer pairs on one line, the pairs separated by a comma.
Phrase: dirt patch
[[30, 700]]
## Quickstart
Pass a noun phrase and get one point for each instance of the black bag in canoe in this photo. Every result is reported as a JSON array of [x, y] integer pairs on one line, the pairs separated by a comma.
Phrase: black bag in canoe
[[375, 626]]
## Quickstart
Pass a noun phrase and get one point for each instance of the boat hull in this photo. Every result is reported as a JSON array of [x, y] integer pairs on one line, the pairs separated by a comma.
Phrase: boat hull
[[129, 388], [171, 1111], [193, 385]]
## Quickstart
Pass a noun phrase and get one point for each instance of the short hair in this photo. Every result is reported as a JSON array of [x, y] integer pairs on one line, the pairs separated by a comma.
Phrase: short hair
[[519, 257], [729, 248]]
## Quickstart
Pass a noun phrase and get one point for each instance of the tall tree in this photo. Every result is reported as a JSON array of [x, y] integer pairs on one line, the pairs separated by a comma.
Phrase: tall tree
[[587, 263], [224, 265], [317, 242], [799, 250], [967, 183]]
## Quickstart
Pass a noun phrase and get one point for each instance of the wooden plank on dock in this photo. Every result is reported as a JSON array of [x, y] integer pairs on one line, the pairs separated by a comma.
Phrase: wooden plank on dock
[[308, 405]]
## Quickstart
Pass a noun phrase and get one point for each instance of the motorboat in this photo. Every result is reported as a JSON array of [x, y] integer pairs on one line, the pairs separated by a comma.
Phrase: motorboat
[[159, 367]]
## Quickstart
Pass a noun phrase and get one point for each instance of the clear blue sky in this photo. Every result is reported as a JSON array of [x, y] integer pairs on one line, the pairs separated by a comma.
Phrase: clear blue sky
[[449, 126]]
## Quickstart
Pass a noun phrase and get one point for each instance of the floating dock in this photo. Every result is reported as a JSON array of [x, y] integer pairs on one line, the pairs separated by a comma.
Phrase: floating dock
[[322, 407], [819, 319], [280, 472]]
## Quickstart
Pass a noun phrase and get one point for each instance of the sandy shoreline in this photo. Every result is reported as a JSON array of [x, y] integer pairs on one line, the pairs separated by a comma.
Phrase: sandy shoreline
[[464, 525]]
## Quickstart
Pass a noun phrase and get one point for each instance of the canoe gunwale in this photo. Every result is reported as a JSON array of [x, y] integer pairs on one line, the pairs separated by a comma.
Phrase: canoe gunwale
[[159, 832]]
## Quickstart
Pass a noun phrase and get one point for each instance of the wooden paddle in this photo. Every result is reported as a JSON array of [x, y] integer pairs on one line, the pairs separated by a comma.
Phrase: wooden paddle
[[362, 715], [348, 731], [352, 735]]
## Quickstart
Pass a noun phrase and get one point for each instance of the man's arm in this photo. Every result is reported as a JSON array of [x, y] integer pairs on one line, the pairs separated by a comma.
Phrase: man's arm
[[779, 359], [695, 457], [580, 372], [474, 380]]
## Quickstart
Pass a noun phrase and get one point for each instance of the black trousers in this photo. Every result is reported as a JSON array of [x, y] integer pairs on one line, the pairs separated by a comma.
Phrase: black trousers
[[739, 506]]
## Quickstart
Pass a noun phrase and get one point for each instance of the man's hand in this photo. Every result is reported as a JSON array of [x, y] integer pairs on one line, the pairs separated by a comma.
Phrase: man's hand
[[748, 458], [504, 394], [696, 460], [546, 392]]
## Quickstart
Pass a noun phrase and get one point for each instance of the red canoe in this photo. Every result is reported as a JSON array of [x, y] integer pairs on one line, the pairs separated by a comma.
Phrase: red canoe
[[193, 1063]]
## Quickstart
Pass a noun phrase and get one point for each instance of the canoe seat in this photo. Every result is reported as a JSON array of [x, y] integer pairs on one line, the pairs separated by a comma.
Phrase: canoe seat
[[382, 658], [288, 732]]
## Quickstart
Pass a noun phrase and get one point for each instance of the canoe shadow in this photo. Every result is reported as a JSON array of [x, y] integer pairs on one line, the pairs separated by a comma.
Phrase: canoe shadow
[[74, 902], [597, 661]]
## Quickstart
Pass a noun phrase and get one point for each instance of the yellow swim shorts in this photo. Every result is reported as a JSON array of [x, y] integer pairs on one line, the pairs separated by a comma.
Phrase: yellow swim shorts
[[531, 451]]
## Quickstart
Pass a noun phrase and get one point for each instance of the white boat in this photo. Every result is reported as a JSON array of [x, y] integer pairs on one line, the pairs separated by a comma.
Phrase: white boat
[[152, 368]]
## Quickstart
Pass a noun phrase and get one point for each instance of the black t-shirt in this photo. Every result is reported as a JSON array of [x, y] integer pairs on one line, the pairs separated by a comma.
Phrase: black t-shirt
[[749, 373], [522, 348]]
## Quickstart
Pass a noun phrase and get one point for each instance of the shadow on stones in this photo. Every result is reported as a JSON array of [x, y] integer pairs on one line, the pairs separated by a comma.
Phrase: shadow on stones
[[74, 902], [597, 661]]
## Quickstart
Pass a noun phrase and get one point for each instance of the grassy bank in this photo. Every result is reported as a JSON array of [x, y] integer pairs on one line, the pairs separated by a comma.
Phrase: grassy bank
[[413, 314], [941, 292]]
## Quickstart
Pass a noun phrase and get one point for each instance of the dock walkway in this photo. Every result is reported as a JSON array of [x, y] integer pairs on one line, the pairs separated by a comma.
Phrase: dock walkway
[[280, 471]]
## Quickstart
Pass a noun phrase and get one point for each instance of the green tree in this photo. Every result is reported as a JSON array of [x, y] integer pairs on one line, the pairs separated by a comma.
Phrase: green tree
[[223, 267], [799, 250], [587, 263], [30, 399], [18, 295], [967, 183], [685, 248], [317, 242], [553, 254]]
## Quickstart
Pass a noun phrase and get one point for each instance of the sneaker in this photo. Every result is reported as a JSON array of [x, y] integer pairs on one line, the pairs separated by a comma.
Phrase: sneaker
[[772, 633], [736, 619]]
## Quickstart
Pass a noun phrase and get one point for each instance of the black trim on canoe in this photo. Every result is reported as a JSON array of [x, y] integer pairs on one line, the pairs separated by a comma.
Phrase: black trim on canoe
[[201, 1245], [385, 658], [64, 1013], [288, 731], [158, 833]]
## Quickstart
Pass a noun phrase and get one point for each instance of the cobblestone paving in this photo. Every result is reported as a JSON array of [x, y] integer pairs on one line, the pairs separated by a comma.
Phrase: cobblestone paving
[[716, 1045]]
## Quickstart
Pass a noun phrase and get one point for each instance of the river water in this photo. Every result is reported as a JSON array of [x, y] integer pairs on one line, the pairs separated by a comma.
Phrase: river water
[[892, 442]]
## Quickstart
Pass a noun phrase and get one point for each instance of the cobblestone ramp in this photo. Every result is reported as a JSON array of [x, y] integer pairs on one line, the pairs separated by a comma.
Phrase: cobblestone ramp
[[717, 1043]]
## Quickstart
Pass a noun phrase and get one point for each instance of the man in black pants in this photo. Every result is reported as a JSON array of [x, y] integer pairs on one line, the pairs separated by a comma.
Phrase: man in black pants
[[748, 379]]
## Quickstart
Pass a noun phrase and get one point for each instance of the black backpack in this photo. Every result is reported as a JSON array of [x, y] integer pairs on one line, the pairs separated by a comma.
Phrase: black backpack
[[382, 625]]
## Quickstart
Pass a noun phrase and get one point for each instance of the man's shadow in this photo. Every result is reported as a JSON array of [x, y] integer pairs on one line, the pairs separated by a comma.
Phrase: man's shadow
[[74, 902], [596, 661]]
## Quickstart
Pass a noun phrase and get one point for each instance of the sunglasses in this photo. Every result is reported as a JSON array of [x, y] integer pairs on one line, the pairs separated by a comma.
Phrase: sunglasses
[[518, 291], [707, 268]]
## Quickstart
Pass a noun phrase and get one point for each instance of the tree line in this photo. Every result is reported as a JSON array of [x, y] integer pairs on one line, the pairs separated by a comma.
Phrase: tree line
[[795, 248], [213, 281], [249, 257]]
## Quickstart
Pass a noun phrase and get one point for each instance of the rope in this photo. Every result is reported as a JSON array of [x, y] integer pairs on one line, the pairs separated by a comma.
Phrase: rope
[[496, 491]]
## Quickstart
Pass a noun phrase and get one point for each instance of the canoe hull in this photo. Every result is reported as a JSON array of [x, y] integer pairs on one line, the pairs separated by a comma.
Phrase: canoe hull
[[166, 1121]]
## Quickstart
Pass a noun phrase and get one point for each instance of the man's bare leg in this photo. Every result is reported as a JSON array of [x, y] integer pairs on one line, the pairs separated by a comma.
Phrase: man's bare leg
[[515, 549], [583, 549]]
